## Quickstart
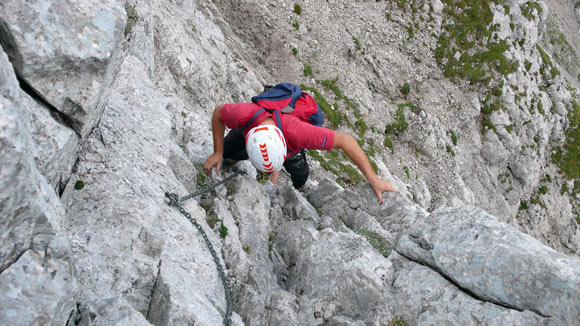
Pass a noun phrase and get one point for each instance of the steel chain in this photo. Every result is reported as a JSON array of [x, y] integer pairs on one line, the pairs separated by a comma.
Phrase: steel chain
[[176, 201]]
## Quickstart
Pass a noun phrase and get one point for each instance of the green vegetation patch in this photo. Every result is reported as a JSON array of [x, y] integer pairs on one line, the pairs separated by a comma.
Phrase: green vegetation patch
[[223, 231], [528, 9], [450, 150], [357, 43], [79, 185], [466, 47], [487, 124], [543, 190], [407, 172], [400, 124], [297, 9], [453, 136], [547, 65], [335, 164], [376, 241], [398, 321], [389, 143], [307, 70], [405, 89], [567, 157], [201, 178], [132, 18]]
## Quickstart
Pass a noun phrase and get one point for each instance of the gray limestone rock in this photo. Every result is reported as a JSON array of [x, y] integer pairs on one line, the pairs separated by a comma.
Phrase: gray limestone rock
[[493, 150], [423, 294], [37, 275], [119, 255], [497, 263], [115, 312], [63, 49], [56, 145]]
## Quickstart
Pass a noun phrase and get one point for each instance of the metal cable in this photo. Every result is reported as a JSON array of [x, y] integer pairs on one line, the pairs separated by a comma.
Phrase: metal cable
[[176, 201]]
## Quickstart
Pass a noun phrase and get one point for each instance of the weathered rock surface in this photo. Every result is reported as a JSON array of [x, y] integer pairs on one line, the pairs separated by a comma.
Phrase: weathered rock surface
[[37, 276], [87, 237], [62, 49]]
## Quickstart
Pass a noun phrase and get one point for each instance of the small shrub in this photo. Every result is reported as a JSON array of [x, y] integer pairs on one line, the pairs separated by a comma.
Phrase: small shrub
[[307, 70], [247, 249], [410, 31], [450, 150], [212, 219], [389, 143], [297, 9], [400, 124], [523, 206], [223, 231], [294, 51], [296, 25], [362, 127], [488, 125], [201, 178], [357, 43], [543, 190], [564, 189], [405, 89], [398, 321], [79, 185], [407, 172], [453, 136], [528, 9], [132, 18]]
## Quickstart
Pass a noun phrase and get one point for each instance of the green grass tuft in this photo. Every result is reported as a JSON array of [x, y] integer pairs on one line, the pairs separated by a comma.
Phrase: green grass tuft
[[405, 89], [79, 185], [398, 321], [568, 156], [389, 143], [468, 30], [453, 136], [400, 124], [528, 9], [307, 70], [132, 18], [450, 150], [297, 9], [223, 231], [376, 241], [357, 43]]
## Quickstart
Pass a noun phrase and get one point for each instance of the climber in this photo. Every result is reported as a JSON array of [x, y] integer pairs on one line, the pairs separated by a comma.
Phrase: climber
[[298, 135]]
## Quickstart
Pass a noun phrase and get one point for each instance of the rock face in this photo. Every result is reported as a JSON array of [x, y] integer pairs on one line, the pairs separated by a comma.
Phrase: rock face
[[96, 128], [62, 50]]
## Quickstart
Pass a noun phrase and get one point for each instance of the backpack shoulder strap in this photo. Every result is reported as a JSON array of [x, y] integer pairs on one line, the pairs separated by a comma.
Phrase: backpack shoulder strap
[[253, 118]]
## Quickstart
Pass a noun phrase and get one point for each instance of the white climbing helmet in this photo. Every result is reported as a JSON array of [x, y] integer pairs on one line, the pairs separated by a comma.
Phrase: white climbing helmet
[[266, 148]]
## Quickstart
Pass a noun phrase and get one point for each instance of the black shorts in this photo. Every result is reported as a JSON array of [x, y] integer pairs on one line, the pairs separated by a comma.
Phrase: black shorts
[[296, 166]]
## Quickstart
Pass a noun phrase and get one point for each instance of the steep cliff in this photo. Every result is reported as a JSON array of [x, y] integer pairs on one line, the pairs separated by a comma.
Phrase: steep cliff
[[469, 108]]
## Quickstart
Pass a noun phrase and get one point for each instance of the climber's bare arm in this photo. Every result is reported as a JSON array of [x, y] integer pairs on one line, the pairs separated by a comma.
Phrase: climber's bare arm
[[218, 129], [352, 149]]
